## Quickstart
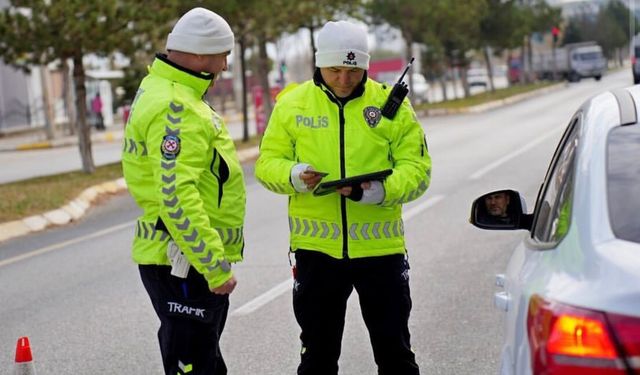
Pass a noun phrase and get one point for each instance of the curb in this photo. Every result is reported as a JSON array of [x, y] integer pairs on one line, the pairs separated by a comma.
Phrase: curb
[[77, 208], [480, 108], [106, 136]]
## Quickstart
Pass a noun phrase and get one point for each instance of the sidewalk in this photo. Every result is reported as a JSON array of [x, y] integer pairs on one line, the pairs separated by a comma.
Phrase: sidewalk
[[37, 139]]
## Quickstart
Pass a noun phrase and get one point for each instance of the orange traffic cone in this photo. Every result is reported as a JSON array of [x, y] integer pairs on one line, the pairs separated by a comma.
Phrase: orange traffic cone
[[24, 359]]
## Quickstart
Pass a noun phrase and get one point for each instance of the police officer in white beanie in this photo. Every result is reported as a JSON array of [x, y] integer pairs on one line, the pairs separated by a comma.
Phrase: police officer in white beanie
[[182, 169], [332, 127], [200, 41]]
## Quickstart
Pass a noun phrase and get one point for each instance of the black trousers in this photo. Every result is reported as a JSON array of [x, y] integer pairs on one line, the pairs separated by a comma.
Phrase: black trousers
[[323, 285], [191, 321]]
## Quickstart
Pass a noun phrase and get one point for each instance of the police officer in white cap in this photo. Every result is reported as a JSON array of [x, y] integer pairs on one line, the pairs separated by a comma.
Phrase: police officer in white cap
[[181, 168], [333, 127]]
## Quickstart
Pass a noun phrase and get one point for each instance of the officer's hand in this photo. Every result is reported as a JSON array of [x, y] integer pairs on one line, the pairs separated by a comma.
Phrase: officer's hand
[[346, 191], [310, 178], [227, 287]]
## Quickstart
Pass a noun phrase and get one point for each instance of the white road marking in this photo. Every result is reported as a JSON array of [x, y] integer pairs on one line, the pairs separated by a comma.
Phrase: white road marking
[[413, 211], [478, 174], [59, 245], [263, 299], [286, 285]]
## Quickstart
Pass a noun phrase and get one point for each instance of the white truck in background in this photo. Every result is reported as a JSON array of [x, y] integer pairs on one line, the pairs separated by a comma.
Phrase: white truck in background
[[572, 61]]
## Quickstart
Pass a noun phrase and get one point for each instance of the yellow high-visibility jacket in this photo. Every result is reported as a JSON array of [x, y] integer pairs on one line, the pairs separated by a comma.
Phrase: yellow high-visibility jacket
[[181, 167], [310, 125]]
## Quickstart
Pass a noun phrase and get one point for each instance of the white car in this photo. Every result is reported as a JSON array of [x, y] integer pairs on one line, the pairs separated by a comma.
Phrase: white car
[[571, 290], [420, 89], [477, 77]]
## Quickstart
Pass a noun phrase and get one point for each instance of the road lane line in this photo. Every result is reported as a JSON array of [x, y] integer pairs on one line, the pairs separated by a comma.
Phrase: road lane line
[[263, 299], [413, 211], [478, 174], [47, 249], [286, 285]]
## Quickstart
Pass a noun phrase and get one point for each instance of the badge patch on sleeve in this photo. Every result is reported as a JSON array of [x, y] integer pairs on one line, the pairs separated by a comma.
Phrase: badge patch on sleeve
[[170, 147], [372, 116]]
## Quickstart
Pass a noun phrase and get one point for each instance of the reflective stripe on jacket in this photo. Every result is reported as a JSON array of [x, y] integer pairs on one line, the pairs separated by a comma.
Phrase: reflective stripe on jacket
[[309, 125], [181, 167]]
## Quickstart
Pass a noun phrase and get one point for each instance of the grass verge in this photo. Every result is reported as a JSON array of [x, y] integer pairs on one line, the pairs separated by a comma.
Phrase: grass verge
[[484, 97], [41, 194]]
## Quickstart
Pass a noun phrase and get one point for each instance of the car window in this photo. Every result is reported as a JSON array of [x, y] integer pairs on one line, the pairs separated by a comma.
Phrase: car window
[[623, 182], [589, 56], [553, 209]]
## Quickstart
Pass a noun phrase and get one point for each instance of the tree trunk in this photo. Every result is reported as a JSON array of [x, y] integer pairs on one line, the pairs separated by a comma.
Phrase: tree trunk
[[443, 85], [313, 49], [462, 69], [68, 97], [46, 103], [263, 73], [522, 77], [487, 59], [529, 60], [620, 60], [84, 132], [243, 75]]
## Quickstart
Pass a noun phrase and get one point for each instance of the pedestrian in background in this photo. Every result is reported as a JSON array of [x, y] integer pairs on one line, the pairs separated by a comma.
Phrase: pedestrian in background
[[352, 238], [181, 167], [96, 110]]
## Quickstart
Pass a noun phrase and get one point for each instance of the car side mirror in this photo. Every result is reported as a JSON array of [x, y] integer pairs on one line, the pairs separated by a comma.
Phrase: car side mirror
[[500, 210]]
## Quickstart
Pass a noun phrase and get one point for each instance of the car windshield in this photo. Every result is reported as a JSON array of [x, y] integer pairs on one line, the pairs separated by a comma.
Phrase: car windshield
[[589, 56], [623, 182]]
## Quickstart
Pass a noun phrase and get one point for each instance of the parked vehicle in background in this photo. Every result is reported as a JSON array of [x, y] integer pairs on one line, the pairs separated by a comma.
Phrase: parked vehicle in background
[[477, 77], [571, 291], [418, 92], [420, 89], [573, 62]]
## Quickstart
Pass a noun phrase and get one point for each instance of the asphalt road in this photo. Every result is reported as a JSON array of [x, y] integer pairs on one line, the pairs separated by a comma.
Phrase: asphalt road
[[75, 292]]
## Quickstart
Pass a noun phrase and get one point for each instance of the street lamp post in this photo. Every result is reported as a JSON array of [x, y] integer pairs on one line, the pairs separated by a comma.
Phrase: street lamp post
[[555, 64]]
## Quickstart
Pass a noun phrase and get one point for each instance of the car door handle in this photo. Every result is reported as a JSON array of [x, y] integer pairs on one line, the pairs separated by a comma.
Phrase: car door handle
[[501, 300]]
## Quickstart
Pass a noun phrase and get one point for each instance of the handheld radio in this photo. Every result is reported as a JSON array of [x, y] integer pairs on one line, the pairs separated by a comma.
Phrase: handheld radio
[[397, 95]]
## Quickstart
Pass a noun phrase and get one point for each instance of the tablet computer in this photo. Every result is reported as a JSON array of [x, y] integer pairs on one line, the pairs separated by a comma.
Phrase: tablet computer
[[325, 188]]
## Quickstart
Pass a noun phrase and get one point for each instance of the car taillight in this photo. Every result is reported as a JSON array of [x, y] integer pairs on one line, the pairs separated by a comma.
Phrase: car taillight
[[627, 331], [633, 60], [567, 340]]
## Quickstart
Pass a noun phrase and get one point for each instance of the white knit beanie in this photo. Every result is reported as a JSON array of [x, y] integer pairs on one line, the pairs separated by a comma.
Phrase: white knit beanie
[[342, 43], [201, 32]]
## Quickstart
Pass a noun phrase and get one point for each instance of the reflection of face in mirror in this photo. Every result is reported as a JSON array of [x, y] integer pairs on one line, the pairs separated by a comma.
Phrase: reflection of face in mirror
[[500, 210], [497, 205]]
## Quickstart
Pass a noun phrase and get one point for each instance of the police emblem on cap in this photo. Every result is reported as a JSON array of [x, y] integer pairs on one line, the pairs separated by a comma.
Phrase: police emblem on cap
[[170, 147], [372, 116], [351, 56]]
